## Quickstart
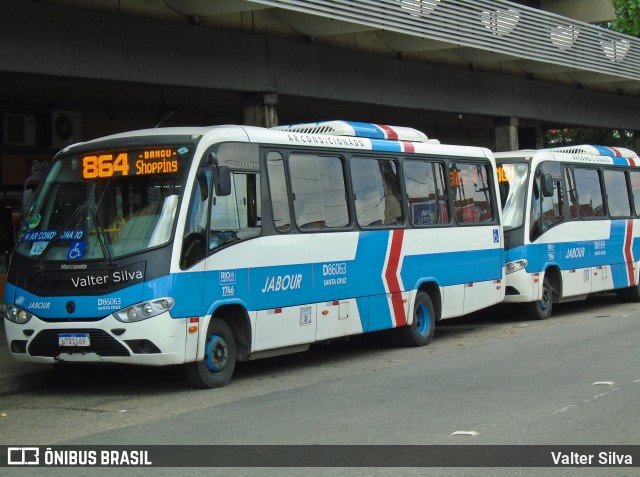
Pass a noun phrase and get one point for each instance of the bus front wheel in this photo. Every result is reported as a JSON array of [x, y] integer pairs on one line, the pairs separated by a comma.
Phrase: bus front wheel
[[215, 370], [541, 309], [420, 331]]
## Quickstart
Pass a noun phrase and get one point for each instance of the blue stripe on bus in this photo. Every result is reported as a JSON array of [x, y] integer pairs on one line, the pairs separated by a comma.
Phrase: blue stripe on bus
[[620, 161], [366, 130], [604, 151], [581, 254], [264, 288], [385, 145]]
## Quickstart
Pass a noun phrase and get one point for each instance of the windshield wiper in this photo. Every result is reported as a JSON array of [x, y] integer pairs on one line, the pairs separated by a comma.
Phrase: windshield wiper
[[103, 240]]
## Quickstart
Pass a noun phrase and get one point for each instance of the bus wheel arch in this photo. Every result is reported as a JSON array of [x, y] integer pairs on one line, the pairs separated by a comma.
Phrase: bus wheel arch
[[227, 340], [551, 293], [426, 312], [237, 318]]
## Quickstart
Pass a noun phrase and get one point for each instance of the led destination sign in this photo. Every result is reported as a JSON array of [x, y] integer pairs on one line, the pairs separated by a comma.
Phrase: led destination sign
[[163, 160]]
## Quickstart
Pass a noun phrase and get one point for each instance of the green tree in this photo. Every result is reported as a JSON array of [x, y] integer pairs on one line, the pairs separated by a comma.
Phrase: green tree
[[627, 17]]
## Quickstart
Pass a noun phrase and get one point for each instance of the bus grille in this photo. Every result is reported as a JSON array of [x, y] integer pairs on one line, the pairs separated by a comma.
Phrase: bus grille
[[102, 343]]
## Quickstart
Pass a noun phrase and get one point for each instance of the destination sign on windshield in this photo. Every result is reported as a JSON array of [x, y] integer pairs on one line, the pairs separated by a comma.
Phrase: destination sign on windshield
[[161, 160]]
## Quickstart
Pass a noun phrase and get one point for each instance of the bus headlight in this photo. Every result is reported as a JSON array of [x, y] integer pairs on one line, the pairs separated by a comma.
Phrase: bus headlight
[[515, 266], [15, 314], [144, 310]]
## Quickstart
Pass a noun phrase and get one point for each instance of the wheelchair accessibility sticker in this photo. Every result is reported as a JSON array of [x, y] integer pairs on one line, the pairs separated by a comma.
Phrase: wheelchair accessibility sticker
[[76, 250]]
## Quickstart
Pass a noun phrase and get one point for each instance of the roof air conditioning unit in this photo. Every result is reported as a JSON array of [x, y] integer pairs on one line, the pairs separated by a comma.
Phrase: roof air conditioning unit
[[66, 128], [19, 130]]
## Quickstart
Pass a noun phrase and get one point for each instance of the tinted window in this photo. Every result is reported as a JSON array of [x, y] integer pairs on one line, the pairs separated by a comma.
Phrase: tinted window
[[615, 183], [376, 189], [635, 187], [472, 201], [319, 194], [424, 183], [589, 193], [279, 191], [572, 194]]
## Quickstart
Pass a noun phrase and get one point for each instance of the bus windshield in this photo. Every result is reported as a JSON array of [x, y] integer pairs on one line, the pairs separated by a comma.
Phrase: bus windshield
[[513, 186], [106, 204]]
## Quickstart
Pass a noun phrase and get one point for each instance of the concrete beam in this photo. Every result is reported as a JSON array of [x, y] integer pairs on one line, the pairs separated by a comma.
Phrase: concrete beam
[[49, 40]]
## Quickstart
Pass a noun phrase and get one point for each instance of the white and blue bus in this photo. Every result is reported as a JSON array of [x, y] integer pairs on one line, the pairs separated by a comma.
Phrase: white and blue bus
[[571, 226], [204, 246]]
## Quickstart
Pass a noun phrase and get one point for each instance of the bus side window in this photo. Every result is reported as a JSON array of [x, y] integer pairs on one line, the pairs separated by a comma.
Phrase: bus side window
[[535, 229], [376, 187], [635, 187], [552, 208], [194, 240], [615, 183], [571, 193], [589, 192], [319, 192], [549, 175], [472, 196], [426, 193], [279, 191]]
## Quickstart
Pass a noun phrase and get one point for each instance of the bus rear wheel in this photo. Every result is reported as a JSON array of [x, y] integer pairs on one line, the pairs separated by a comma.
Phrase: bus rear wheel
[[215, 370], [420, 331], [541, 309]]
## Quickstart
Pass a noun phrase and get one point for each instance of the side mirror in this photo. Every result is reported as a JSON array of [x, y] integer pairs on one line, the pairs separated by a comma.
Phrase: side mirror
[[222, 181], [547, 185]]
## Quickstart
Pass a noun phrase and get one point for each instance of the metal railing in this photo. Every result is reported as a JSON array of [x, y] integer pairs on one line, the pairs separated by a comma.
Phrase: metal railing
[[493, 25]]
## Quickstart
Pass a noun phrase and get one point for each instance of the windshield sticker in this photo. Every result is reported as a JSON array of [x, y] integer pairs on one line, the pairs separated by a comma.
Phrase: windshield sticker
[[76, 250], [183, 150], [49, 234], [34, 221], [37, 248]]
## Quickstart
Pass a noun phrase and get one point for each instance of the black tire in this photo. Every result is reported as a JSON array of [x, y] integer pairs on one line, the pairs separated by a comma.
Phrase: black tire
[[541, 309], [216, 369], [420, 331]]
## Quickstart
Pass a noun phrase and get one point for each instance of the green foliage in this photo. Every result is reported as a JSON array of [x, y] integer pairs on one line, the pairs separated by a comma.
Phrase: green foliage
[[602, 137], [627, 17]]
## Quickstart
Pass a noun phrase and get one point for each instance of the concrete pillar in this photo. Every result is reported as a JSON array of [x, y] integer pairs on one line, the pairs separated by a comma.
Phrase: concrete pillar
[[260, 109], [506, 133]]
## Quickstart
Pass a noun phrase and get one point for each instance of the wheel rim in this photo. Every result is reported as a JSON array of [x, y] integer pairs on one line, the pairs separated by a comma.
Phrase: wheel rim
[[217, 353], [422, 319]]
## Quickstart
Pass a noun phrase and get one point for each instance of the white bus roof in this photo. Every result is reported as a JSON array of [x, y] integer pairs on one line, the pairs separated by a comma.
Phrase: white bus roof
[[594, 150], [358, 129]]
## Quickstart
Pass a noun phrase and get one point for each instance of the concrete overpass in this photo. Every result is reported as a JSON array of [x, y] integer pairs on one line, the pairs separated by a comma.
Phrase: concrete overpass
[[484, 72]]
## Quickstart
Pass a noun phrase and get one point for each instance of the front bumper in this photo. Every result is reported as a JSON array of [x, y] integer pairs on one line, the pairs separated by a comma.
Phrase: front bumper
[[157, 341]]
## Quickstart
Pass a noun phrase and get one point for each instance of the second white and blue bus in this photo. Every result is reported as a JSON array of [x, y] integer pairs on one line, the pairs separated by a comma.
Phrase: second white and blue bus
[[571, 221]]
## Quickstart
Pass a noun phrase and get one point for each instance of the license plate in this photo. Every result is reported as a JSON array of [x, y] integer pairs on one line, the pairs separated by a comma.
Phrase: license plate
[[73, 339]]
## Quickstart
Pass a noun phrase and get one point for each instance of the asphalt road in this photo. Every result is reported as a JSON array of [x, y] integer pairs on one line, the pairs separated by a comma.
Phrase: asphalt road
[[496, 376]]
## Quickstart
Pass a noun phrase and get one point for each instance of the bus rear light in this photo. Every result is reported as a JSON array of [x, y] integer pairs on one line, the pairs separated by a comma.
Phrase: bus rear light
[[194, 320], [193, 329]]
